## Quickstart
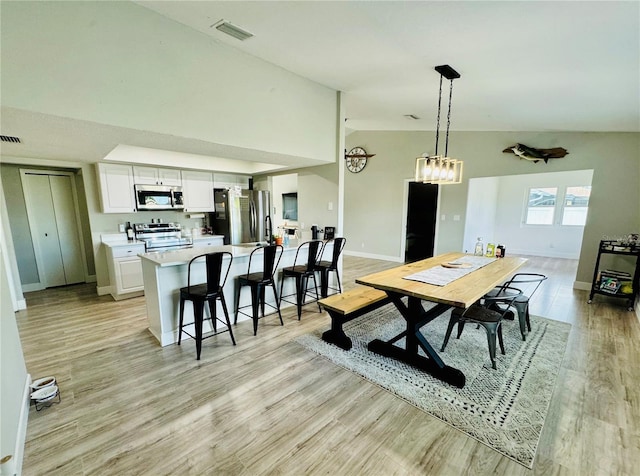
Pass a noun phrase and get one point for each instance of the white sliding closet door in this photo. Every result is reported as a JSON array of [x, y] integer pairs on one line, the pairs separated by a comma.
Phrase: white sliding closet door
[[54, 228]]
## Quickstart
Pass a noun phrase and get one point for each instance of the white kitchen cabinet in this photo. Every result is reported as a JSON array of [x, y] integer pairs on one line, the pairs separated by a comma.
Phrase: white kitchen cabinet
[[156, 176], [116, 188], [202, 241], [197, 189], [230, 180], [125, 271]]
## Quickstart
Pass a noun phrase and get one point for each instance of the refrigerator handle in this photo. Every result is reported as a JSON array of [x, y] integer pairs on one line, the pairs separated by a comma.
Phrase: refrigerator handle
[[252, 221]]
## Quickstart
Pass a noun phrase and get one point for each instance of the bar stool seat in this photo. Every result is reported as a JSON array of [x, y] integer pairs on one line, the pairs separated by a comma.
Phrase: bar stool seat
[[324, 267], [302, 273], [258, 282], [208, 292]]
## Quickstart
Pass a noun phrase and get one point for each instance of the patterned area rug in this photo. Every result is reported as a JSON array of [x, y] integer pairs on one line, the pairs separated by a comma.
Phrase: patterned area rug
[[505, 408]]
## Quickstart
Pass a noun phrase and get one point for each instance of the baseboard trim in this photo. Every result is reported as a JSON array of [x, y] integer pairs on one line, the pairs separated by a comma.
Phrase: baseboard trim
[[103, 290], [544, 254], [395, 259], [22, 304], [28, 288], [582, 286]]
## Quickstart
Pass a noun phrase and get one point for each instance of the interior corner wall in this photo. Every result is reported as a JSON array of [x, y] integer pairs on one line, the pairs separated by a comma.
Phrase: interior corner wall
[[373, 197], [120, 64]]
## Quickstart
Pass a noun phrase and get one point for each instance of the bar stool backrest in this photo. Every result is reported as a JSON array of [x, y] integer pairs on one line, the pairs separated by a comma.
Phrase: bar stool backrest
[[312, 256], [270, 260], [214, 270], [338, 246]]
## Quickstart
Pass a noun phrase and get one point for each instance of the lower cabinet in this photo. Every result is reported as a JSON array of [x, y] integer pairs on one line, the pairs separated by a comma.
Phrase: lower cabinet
[[125, 271]]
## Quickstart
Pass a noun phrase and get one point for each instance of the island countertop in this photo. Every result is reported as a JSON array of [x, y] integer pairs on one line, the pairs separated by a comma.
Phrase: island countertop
[[183, 256]]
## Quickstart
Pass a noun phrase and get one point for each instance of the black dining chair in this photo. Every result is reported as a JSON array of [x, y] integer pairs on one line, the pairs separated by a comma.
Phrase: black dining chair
[[302, 273], [324, 267], [486, 315], [258, 281], [529, 284], [217, 266]]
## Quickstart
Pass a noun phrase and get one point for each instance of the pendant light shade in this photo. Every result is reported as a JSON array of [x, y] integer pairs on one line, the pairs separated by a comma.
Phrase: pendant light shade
[[441, 169]]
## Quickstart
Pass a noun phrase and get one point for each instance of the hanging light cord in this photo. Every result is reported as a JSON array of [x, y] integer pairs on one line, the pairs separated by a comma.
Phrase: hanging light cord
[[446, 145]]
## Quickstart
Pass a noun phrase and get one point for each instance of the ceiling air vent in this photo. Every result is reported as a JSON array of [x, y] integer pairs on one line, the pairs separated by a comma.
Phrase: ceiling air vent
[[16, 140], [232, 30]]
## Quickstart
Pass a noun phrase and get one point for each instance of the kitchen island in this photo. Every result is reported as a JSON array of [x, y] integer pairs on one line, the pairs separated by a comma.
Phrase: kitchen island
[[164, 273]]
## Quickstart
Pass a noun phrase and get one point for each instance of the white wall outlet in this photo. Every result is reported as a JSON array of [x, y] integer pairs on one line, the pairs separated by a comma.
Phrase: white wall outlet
[[443, 217], [362, 245], [121, 228], [302, 225], [456, 217], [330, 206]]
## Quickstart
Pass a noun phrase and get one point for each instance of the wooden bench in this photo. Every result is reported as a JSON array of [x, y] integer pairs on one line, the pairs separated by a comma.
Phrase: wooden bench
[[346, 306]]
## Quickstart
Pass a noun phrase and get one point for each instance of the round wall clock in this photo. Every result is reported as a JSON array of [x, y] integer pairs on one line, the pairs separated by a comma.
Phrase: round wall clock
[[356, 159]]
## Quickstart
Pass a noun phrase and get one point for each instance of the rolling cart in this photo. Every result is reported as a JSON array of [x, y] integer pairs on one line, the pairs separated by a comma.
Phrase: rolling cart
[[614, 283]]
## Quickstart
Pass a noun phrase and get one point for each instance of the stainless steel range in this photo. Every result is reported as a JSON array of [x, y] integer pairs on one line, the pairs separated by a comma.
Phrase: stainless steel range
[[161, 236]]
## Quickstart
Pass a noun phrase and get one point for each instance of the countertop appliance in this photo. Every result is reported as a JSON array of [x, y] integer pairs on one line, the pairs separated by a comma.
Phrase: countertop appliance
[[158, 197], [242, 216], [161, 236]]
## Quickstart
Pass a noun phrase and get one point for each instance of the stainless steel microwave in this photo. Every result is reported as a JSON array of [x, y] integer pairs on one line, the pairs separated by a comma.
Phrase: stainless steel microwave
[[158, 197]]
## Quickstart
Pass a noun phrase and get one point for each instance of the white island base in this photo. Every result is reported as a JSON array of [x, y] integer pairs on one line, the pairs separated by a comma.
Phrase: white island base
[[164, 273]]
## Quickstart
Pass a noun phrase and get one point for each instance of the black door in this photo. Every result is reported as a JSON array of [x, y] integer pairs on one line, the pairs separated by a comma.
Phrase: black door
[[421, 221]]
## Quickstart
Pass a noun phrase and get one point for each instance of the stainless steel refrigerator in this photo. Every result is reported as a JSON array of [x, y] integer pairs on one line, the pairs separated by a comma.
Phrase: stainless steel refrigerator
[[241, 216]]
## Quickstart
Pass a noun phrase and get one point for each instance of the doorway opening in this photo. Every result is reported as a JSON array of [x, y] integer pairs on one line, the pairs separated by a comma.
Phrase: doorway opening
[[421, 221]]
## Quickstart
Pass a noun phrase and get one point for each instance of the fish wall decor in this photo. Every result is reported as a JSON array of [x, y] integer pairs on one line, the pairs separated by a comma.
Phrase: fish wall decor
[[536, 155]]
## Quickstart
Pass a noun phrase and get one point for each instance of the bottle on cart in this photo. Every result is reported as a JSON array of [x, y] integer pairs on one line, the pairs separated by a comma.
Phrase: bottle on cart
[[129, 231], [479, 251]]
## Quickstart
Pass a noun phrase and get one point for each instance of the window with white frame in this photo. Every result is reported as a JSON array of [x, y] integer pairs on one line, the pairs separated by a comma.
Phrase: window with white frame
[[541, 206], [545, 203], [576, 205]]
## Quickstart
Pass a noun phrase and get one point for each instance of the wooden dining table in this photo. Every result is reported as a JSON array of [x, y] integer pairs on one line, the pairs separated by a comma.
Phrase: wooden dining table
[[462, 293]]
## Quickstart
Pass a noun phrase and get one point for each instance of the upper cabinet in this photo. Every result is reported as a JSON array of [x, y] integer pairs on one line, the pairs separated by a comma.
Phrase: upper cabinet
[[116, 188], [156, 176], [197, 191], [230, 180]]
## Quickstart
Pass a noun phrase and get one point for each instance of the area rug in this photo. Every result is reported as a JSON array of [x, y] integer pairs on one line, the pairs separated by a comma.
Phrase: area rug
[[505, 408]]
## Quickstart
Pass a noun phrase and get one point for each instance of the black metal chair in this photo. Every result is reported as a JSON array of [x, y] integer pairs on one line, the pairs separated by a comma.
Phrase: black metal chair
[[258, 281], [302, 273], [209, 292], [486, 315], [529, 284], [324, 267]]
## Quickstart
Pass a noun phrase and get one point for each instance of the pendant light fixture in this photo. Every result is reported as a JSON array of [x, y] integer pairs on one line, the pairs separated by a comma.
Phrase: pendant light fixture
[[441, 169]]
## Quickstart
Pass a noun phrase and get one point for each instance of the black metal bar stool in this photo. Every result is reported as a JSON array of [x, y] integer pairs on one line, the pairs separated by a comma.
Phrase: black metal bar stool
[[259, 281], [324, 267], [208, 292], [302, 273]]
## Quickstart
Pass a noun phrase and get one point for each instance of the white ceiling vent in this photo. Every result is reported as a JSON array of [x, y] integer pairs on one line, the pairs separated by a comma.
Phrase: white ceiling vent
[[15, 140], [232, 30]]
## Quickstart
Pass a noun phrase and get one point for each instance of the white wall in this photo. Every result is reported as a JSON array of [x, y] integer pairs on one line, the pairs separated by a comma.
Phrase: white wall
[[482, 205], [14, 379], [120, 64], [555, 241]]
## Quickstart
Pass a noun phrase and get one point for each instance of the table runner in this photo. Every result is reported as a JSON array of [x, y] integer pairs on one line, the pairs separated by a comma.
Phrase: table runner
[[441, 276]]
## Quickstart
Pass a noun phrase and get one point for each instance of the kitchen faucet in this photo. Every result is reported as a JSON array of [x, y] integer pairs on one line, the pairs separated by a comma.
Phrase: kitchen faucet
[[268, 225]]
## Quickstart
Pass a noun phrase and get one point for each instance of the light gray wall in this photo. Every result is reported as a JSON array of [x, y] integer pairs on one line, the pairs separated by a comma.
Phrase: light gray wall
[[373, 197], [121, 64]]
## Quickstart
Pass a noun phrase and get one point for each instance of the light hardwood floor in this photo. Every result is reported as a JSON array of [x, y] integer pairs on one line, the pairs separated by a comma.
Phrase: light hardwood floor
[[268, 406]]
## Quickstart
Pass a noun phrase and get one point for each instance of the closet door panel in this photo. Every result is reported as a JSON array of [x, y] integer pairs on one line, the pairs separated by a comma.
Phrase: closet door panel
[[67, 225], [44, 231]]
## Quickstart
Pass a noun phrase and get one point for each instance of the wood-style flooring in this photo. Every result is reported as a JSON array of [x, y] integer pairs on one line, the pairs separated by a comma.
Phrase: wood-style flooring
[[268, 406]]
